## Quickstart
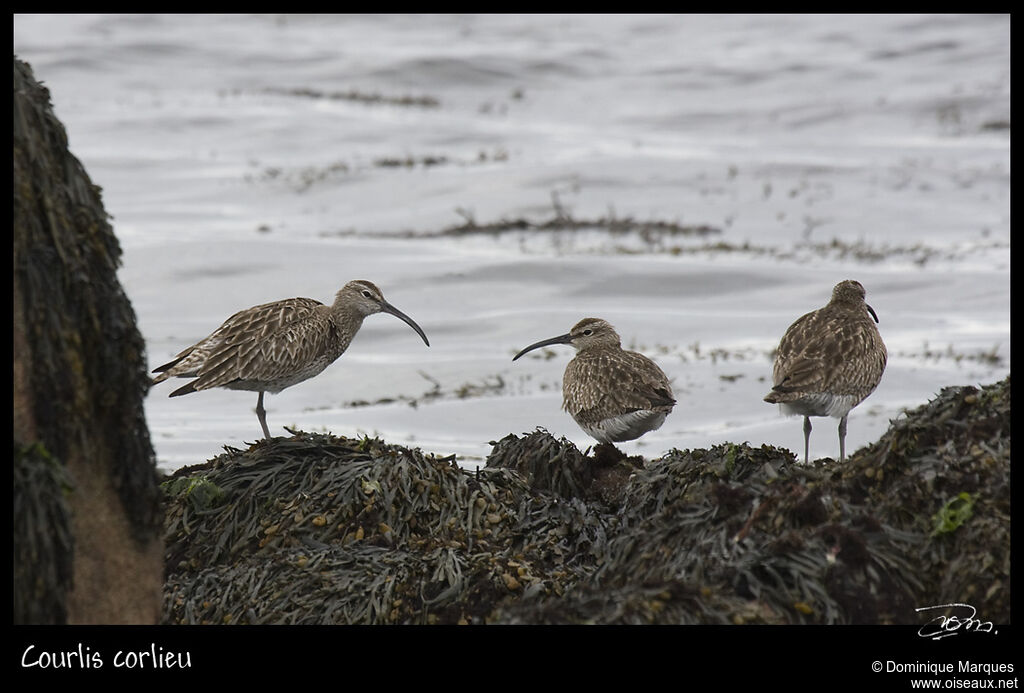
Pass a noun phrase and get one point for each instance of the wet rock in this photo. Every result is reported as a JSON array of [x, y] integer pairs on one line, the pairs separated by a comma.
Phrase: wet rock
[[86, 498]]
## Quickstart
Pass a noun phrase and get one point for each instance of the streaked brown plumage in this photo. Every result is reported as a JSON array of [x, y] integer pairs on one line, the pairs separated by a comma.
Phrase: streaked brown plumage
[[613, 394], [829, 361], [272, 346]]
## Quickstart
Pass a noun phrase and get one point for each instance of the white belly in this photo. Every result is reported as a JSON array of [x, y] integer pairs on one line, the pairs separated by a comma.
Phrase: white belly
[[616, 429], [822, 404]]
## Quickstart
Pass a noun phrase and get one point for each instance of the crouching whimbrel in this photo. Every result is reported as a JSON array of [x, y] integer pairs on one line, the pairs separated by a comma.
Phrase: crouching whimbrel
[[829, 361], [272, 346], [613, 394]]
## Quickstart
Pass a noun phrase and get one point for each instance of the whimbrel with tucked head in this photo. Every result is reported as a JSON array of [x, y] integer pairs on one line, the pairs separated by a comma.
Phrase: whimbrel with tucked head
[[272, 346], [613, 394], [829, 361]]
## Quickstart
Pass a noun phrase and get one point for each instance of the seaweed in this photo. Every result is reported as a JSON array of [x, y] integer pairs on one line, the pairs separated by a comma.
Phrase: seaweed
[[329, 530], [43, 541], [79, 384]]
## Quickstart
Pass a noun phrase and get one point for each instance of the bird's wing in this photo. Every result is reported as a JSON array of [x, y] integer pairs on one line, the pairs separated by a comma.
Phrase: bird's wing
[[819, 348], [801, 353], [259, 343], [631, 382], [262, 321]]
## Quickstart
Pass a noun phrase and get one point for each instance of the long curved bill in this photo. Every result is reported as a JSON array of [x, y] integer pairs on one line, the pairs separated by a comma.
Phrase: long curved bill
[[872, 311], [390, 309], [560, 339]]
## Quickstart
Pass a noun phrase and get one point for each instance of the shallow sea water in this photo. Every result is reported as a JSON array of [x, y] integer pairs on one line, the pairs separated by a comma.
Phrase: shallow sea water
[[239, 169]]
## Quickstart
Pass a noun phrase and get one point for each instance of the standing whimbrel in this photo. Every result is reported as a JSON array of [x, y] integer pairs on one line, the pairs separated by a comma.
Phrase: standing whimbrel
[[829, 361], [613, 394], [272, 346]]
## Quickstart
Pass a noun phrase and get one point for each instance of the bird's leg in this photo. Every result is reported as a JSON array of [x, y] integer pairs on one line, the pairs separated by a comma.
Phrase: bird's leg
[[262, 414], [807, 438], [842, 440]]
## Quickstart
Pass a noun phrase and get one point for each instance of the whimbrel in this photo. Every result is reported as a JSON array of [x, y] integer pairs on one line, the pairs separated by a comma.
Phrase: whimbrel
[[613, 394], [275, 345], [829, 361]]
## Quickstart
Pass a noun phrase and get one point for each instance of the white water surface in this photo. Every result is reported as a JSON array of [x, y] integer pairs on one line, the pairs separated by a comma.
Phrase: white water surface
[[820, 147]]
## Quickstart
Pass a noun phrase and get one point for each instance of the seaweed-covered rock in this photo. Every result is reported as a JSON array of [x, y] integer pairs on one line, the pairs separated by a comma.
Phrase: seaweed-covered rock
[[942, 474], [320, 529], [87, 535], [545, 463], [737, 534], [43, 545], [559, 467], [296, 511]]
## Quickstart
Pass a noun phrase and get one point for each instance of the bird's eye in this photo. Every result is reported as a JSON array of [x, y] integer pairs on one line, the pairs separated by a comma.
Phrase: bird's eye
[[588, 332], [367, 293]]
